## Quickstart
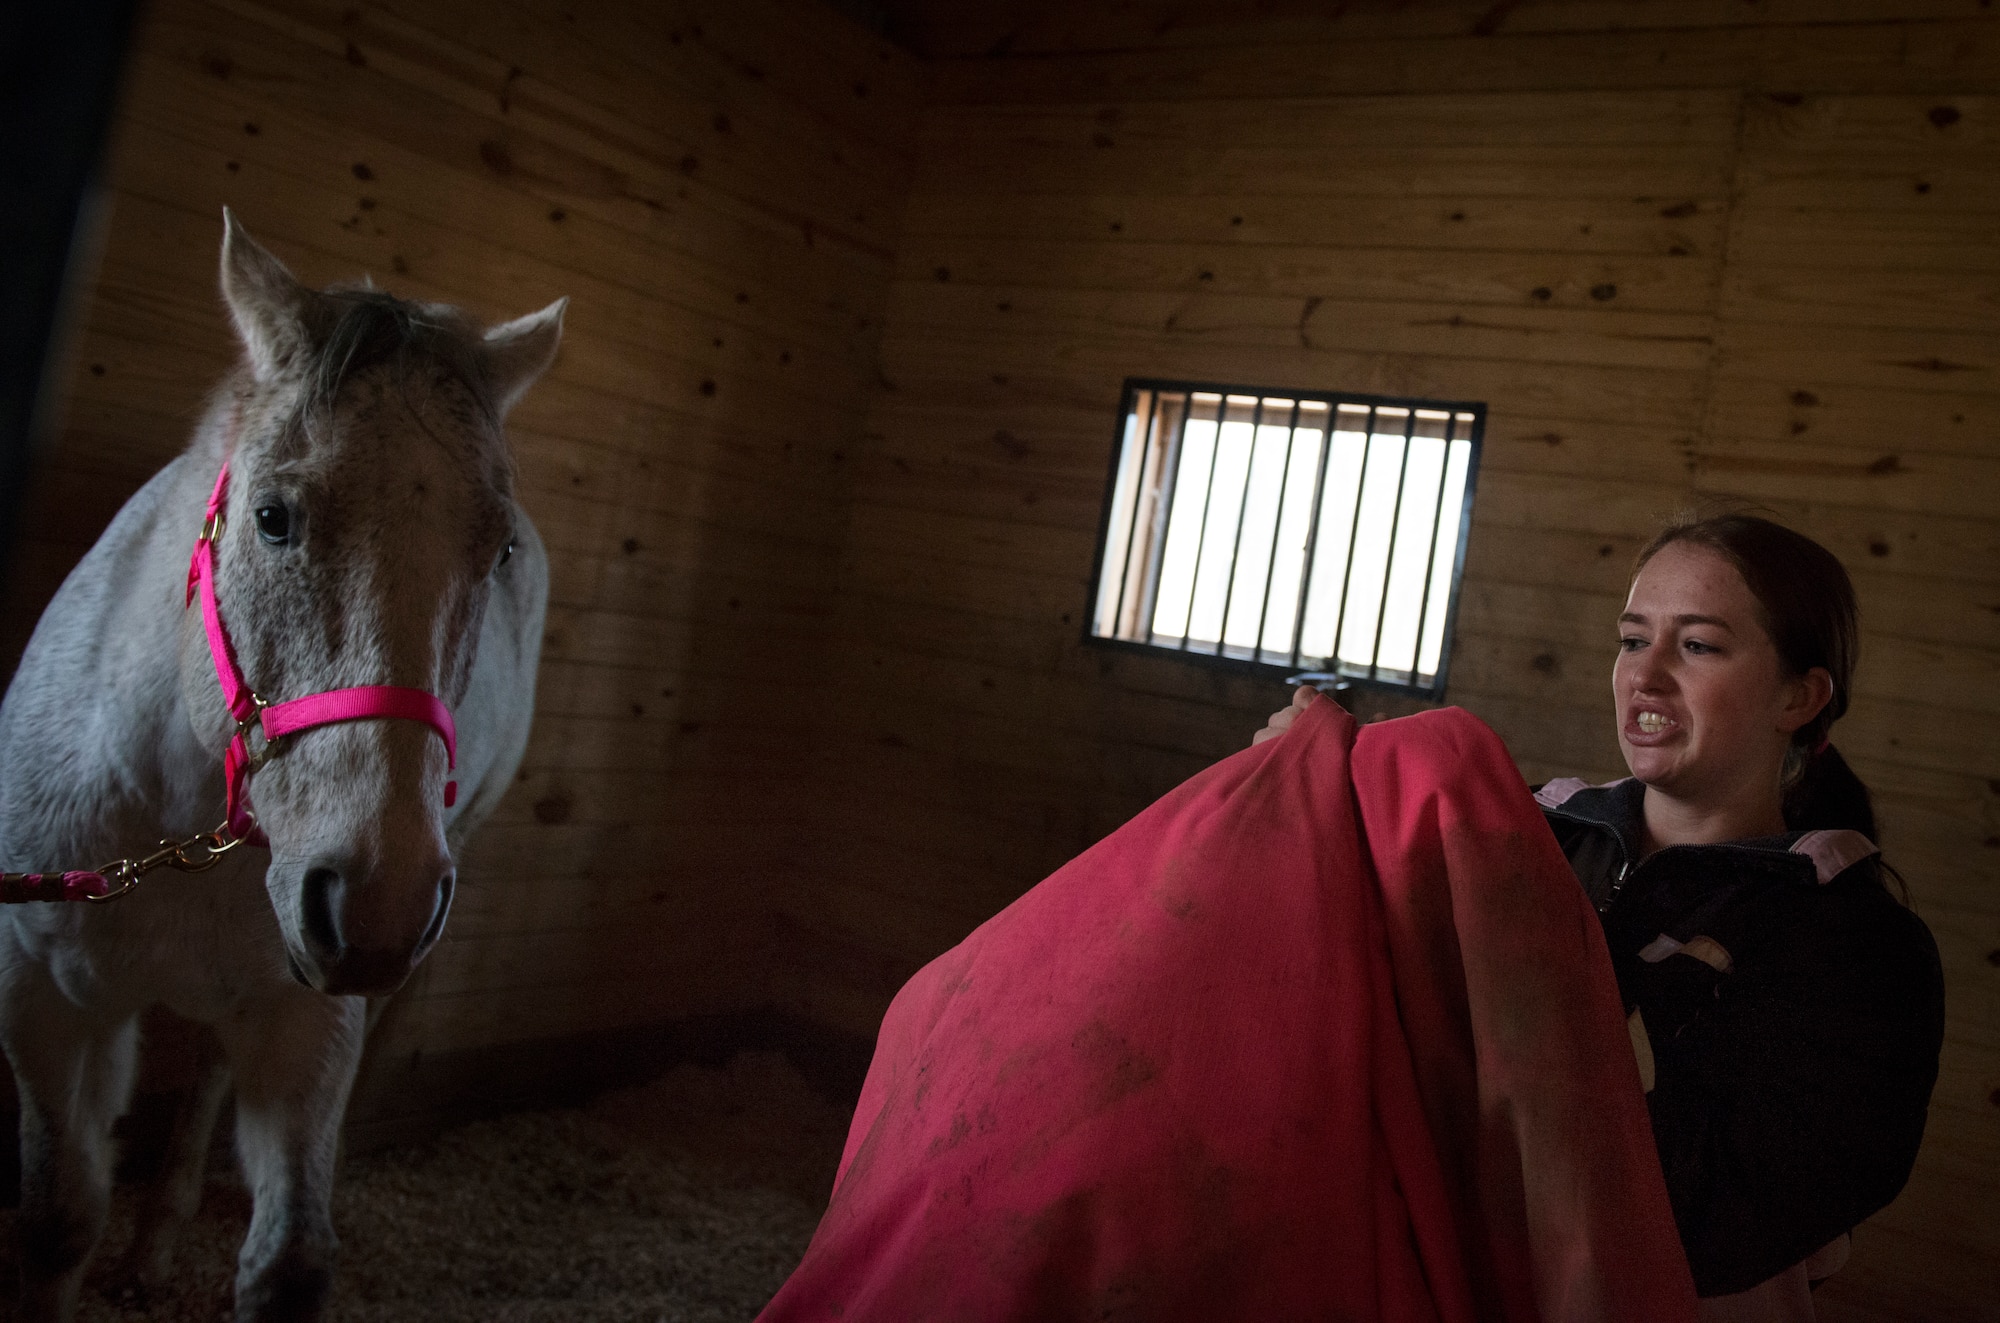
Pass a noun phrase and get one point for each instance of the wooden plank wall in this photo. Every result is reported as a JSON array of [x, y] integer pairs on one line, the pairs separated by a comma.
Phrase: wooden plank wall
[[1681, 248], [814, 700], [716, 187]]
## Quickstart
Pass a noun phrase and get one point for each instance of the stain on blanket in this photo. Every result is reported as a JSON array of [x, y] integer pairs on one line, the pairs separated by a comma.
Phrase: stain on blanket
[[984, 1121], [1177, 891], [1106, 1069], [1119, 1068], [1194, 1270]]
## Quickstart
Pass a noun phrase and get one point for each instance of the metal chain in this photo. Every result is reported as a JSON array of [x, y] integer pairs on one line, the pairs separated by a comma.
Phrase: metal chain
[[196, 854]]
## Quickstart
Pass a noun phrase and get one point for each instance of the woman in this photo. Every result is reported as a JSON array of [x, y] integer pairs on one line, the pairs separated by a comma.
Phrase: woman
[[1791, 1009], [1328, 1030]]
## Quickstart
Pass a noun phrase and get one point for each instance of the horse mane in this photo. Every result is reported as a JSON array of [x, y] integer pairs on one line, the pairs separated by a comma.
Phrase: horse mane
[[356, 328]]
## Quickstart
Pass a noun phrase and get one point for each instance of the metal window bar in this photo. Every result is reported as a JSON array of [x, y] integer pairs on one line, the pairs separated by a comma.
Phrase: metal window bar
[[1430, 556], [1170, 469], [1207, 499], [1230, 415], [1140, 408], [1277, 527], [1143, 408], [1424, 546], [1151, 447], [1389, 552], [1242, 515], [1353, 528], [1160, 443], [1312, 533], [1139, 420]]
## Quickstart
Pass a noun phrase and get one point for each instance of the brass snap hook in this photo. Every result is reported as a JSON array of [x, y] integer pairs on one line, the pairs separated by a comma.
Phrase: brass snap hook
[[122, 874]]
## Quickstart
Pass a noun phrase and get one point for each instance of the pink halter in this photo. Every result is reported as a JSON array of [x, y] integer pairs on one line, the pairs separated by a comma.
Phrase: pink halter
[[282, 719]]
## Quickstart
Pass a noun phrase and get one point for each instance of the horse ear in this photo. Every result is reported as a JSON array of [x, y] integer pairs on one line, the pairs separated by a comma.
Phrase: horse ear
[[266, 303], [519, 351]]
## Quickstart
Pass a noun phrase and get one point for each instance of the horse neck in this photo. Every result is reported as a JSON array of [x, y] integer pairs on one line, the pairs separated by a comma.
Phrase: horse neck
[[97, 749], [116, 655]]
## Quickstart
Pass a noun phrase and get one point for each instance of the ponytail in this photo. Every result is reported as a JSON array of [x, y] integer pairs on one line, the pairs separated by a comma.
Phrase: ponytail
[[1828, 796]]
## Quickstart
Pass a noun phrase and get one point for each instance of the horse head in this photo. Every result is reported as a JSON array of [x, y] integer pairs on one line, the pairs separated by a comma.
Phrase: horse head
[[369, 507]]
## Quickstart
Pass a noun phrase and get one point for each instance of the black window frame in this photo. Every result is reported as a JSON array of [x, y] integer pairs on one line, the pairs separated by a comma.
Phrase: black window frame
[[1346, 674]]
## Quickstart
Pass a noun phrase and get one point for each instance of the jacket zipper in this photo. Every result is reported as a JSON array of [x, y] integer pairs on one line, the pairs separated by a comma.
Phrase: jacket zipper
[[1625, 865], [1617, 883], [1624, 857]]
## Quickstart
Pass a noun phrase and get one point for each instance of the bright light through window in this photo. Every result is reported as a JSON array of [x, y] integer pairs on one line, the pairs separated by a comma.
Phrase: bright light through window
[[1296, 529]]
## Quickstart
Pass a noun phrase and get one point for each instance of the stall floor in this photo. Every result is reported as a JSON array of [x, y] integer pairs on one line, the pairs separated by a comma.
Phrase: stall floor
[[687, 1199]]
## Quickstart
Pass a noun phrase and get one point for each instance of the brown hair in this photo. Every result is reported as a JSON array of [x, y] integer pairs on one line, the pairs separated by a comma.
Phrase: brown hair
[[1807, 606]]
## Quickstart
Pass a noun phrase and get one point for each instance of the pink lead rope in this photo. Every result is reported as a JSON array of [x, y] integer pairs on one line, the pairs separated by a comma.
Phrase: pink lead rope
[[362, 702]]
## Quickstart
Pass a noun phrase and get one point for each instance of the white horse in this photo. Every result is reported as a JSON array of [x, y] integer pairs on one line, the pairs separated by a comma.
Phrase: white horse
[[369, 536]]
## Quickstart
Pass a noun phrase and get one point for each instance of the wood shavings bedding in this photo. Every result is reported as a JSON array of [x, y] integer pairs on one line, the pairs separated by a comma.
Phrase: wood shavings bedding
[[687, 1199]]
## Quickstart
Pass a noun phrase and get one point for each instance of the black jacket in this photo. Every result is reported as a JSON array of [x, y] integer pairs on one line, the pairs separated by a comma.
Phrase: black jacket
[[1794, 1051]]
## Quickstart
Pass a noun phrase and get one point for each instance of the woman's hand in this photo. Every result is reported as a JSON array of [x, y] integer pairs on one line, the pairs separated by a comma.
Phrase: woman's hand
[[1280, 722]]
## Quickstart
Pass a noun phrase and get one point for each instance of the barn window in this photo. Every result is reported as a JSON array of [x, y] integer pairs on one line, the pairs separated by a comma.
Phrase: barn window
[[1301, 529]]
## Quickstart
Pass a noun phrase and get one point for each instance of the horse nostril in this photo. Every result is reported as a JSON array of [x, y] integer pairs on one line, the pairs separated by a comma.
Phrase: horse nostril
[[435, 929], [319, 894]]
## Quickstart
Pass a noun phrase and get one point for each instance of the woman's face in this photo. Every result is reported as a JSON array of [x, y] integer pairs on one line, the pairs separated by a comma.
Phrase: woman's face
[[1705, 709]]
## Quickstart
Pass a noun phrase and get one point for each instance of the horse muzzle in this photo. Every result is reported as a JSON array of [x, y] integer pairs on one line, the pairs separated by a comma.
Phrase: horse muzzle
[[359, 933]]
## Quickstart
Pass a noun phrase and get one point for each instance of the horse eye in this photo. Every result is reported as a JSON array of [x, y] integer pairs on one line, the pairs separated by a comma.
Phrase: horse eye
[[274, 524], [506, 554]]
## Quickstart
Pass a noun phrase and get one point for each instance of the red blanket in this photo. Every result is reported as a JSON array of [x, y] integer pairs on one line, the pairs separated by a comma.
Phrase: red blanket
[[1327, 1032]]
